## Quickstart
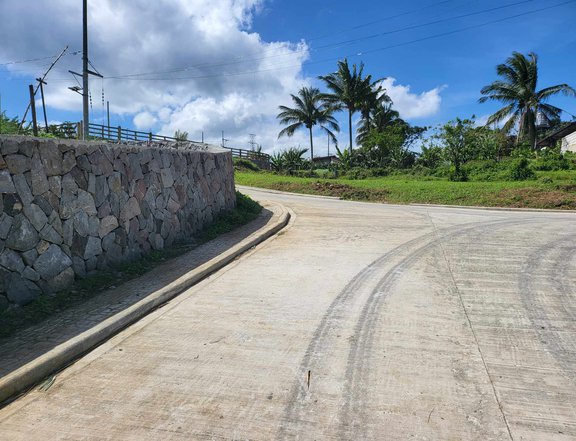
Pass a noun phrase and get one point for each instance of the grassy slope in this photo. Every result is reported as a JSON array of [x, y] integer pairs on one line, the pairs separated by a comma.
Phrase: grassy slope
[[551, 190]]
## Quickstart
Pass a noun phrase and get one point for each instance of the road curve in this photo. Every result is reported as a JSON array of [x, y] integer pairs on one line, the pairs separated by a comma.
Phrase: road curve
[[359, 321]]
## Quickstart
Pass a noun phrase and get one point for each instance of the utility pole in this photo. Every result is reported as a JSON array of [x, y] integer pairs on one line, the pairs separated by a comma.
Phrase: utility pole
[[108, 113], [224, 139], [41, 83], [33, 106], [43, 77], [85, 111]]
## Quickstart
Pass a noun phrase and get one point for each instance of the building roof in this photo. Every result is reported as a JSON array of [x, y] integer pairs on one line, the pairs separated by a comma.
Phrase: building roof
[[557, 134]]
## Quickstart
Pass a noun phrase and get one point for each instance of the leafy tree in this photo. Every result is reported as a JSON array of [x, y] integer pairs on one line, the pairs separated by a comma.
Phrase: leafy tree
[[458, 139], [391, 146], [11, 126], [350, 91], [518, 90], [488, 143], [431, 156], [310, 110]]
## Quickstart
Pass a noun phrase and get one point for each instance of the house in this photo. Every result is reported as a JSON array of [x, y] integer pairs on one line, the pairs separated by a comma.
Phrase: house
[[325, 160], [566, 134]]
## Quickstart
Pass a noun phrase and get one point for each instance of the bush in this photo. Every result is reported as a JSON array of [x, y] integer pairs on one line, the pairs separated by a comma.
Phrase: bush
[[521, 170], [459, 175], [551, 162], [245, 163], [356, 173]]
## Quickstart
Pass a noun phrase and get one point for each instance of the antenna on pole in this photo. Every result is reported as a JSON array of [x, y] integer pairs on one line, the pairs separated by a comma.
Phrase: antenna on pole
[[252, 142], [42, 79]]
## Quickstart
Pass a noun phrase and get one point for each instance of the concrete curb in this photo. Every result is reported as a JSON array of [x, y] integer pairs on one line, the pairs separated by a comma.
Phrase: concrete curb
[[477, 207], [269, 190], [468, 207], [33, 372]]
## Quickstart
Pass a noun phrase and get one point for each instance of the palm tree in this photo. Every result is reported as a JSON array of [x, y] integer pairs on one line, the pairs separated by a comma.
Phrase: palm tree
[[349, 90], [310, 110], [518, 90], [382, 116]]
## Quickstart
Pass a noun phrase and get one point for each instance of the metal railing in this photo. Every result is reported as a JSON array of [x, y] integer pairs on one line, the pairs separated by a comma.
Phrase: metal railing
[[120, 134]]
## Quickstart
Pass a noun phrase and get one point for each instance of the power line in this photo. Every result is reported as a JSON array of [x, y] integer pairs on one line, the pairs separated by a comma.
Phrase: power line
[[380, 20], [328, 46], [36, 59], [406, 43], [131, 77]]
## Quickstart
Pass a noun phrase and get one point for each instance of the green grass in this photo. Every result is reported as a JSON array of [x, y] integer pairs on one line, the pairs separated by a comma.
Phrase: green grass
[[44, 306], [550, 190]]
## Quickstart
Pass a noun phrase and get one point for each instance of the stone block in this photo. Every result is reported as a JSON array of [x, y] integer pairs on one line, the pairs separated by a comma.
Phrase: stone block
[[21, 291], [93, 247], [36, 216], [130, 209], [17, 164], [6, 183], [101, 190], [107, 225], [11, 260], [62, 281], [9, 146], [5, 224], [52, 262], [22, 189], [49, 234], [30, 256], [51, 158], [22, 236], [54, 184], [81, 225], [79, 266], [69, 162], [30, 274]]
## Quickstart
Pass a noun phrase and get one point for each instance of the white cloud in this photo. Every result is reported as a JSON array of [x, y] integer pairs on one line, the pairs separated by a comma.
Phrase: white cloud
[[216, 73], [206, 70], [144, 120], [412, 105]]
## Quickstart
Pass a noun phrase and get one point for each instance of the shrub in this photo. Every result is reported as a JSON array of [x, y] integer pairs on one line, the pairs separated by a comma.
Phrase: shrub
[[551, 161], [458, 175], [245, 163], [521, 171]]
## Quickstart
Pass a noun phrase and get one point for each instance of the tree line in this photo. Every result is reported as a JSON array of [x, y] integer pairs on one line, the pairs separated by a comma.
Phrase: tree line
[[385, 139]]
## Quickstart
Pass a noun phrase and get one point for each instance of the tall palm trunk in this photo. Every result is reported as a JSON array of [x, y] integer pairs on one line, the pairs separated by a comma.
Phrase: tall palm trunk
[[350, 127], [311, 146]]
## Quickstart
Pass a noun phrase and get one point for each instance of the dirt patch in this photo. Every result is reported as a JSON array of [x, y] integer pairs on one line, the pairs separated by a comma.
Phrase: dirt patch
[[345, 191], [538, 198]]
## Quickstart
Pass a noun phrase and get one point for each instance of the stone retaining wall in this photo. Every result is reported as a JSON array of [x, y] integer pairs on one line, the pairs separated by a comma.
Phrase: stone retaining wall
[[69, 208]]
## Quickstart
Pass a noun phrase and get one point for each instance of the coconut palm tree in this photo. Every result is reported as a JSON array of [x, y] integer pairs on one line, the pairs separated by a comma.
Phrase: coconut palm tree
[[518, 90], [350, 90], [310, 110], [382, 116]]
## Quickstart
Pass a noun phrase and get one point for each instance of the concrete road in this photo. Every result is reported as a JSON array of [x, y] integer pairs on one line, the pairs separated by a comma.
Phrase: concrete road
[[359, 321]]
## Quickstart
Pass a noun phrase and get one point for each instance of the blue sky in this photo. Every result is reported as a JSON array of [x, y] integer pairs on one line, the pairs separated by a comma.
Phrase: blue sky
[[227, 64]]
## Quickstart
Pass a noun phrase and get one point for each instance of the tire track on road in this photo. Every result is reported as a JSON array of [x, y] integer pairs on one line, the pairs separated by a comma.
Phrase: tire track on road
[[537, 310], [357, 371], [300, 404]]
